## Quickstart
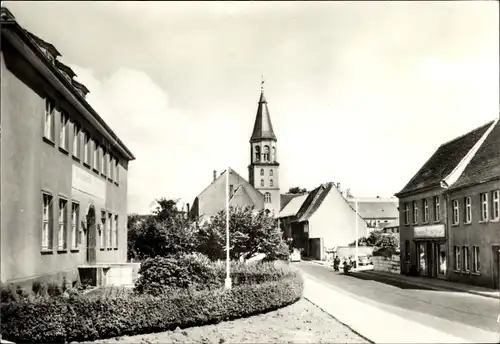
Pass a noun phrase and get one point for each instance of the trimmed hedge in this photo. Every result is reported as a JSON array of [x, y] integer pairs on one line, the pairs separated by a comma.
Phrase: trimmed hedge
[[48, 320]]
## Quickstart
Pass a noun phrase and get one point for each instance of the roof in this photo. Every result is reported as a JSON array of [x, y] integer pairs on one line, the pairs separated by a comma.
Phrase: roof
[[263, 128], [286, 198], [444, 160], [43, 59], [485, 165], [293, 207], [313, 201], [376, 208]]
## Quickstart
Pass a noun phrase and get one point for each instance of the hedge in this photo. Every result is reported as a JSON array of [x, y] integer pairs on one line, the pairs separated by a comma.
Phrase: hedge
[[48, 320]]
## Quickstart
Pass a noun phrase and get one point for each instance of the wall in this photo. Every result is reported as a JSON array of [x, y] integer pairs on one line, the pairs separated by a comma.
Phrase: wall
[[213, 198], [335, 221], [273, 190], [386, 264], [406, 230], [484, 235], [31, 165]]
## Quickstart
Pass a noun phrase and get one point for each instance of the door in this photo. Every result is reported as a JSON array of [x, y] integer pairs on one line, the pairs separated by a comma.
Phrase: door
[[441, 260], [91, 236], [422, 259], [496, 266]]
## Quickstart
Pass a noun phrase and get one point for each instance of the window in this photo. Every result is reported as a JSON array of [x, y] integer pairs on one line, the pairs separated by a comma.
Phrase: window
[[49, 119], [102, 229], [86, 149], [407, 214], [117, 166], [231, 190], [262, 182], [76, 140], [61, 234], [457, 257], [115, 231], [265, 156], [271, 182], [426, 211], [267, 197], [96, 156], [274, 153], [104, 170], [437, 209], [466, 258], [415, 212], [271, 172], [110, 239], [495, 205], [111, 167], [63, 135], [468, 211], [455, 218], [261, 171], [484, 206], [475, 259], [74, 225], [47, 222], [257, 153]]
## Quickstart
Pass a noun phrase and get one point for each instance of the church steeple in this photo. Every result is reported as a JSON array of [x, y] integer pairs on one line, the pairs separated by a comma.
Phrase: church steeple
[[263, 128], [264, 167]]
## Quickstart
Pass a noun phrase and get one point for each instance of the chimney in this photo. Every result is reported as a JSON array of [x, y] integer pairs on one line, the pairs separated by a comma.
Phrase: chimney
[[215, 175], [338, 186], [378, 196], [187, 208]]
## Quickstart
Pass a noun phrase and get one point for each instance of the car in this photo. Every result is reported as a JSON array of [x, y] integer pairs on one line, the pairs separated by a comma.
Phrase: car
[[363, 260], [295, 256]]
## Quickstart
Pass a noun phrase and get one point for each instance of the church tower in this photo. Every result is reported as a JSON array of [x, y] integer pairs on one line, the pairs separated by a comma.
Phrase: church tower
[[264, 167]]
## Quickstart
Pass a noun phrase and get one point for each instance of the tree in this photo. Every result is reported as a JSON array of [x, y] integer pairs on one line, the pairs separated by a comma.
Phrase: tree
[[165, 232], [378, 239], [250, 233], [296, 190]]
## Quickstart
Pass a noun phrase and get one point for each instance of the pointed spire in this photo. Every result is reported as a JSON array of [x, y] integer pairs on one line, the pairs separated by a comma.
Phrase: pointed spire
[[263, 128]]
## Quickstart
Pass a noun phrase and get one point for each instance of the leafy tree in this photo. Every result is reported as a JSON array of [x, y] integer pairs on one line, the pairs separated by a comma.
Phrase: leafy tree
[[165, 232], [296, 190], [378, 239], [250, 233]]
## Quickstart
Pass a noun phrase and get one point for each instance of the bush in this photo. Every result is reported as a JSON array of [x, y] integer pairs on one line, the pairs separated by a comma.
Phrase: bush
[[162, 274], [82, 319]]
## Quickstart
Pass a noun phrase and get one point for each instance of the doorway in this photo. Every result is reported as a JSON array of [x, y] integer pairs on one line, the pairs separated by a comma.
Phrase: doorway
[[91, 236], [496, 266]]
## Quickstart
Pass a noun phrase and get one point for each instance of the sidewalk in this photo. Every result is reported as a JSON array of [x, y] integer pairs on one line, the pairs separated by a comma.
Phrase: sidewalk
[[435, 284], [430, 283], [377, 325]]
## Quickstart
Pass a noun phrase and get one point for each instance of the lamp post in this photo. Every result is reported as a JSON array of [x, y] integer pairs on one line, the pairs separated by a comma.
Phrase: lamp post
[[227, 281], [356, 247]]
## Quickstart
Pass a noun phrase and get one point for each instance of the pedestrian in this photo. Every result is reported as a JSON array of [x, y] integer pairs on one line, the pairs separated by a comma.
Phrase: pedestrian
[[336, 263]]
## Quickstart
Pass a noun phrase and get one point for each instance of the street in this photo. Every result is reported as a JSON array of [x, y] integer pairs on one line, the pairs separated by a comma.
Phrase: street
[[461, 314]]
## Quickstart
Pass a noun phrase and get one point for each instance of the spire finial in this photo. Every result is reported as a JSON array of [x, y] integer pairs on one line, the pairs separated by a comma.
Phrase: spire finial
[[262, 81]]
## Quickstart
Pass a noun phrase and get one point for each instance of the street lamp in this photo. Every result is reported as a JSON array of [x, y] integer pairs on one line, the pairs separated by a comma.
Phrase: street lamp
[[356, 248], [227, 281]]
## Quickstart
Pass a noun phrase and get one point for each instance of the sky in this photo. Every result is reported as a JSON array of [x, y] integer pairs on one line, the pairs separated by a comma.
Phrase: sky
[[360, 93]]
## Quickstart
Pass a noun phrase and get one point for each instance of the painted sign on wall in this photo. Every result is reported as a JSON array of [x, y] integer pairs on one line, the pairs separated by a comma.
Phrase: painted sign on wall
[[432, 231], [86, 182]]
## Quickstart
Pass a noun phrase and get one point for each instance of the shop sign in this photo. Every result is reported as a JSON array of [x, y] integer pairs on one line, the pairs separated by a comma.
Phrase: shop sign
[[433, 231]]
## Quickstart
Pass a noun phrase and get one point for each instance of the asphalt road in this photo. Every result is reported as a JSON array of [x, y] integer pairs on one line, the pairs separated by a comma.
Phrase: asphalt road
[[446, 311]]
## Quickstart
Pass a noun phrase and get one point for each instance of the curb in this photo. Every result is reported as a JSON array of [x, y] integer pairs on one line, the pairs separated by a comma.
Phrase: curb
[[435, 287]]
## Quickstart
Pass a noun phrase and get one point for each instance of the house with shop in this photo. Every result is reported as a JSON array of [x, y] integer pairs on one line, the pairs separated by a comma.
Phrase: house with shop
[[63, 170], [430, 231], [262, 190], [321, 220], [376, 211]]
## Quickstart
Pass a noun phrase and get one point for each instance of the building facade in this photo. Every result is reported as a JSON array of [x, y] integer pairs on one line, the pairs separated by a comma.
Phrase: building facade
[[433, 242], [63, 170], [376, 211]]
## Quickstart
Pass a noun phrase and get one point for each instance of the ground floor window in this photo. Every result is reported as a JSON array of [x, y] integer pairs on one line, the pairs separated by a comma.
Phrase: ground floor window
[[457, 257], [475, 259], [466, 258], [422, 259]]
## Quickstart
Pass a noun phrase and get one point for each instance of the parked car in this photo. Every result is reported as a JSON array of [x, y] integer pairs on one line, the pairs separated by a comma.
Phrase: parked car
[[295, 256], [363, 260]]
